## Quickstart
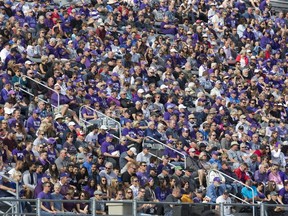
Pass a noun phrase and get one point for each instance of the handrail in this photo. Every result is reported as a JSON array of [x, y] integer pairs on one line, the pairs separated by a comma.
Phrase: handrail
[[100, 116], [45, 86], [161, 159], [16, 194], [134, 203], [239, 198], [235, 180], [157, 141]]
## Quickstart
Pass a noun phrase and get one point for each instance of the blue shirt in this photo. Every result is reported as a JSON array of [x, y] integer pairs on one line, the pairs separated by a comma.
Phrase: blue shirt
[[247, 193], [214, 192]]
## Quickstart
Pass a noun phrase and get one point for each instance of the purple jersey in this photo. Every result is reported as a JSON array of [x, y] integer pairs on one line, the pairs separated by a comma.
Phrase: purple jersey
[[107, 147], [51, 155], [33, 123], [18, 153]]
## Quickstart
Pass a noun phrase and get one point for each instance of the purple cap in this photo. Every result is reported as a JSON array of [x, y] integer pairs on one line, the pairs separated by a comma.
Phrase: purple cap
[[36, 111], [115, 74], [51, 140], [7, 81], [109, 82], [215, 153], [93, 52], [11, 92], [185, 129], [62, 175], [109, 135], [219, 98], [217, 179], [128, 120], [69, 88]]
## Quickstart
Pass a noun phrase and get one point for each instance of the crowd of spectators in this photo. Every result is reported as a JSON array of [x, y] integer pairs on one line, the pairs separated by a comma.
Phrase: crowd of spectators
[[207, 78]]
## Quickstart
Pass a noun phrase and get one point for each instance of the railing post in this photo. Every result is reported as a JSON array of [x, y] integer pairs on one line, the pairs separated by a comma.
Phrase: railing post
[[134, 207], [221, 209], [18, 203], [38, 206], [262, 209], [93, 207]]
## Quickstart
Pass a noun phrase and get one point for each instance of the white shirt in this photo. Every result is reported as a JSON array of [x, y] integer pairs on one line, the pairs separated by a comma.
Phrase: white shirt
[[3, 54], [141, 157], [91, 137], [227, 209]]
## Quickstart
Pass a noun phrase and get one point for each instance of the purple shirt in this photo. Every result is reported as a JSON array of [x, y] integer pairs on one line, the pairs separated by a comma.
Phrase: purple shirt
[[142, 177], [43, 195], [284, 195], [107, 147], [19, 154], [51, 155], [130, 132], [60, 127], [33, 123], [4, 96]]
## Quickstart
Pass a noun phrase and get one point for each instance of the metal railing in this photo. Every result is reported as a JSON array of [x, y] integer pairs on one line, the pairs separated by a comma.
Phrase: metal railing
[[15, 195], [239, 182], [129, 207], [103, 120], [43, 85], [153, 141]]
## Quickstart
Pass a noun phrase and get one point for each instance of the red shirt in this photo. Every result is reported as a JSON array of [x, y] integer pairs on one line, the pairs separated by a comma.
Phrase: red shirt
[[242, 176]]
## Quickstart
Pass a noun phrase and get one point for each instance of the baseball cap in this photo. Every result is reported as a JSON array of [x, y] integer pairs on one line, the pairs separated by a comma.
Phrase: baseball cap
[[165, 168], [71, 123], [140, 91], [103, 127], [133, 150], [98, 192], [62, 175], [217, 179], [177, 168], [181, 106], [192, 150], [51, 140]]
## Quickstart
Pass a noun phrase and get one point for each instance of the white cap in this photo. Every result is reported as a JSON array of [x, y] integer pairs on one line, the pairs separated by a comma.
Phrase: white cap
[[28, 62], [58, 116], [133, 150], [140, 91], [192, 150], [70, 41], [71, 123], [163, 86], [148, 96], [173, 50], [181, 106], [103, 127]]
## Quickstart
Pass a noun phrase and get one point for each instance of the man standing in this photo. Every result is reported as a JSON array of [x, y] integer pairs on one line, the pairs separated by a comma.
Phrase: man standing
[[30, 177], [174, 197], [47, 207], [225, 199], [283, 194]]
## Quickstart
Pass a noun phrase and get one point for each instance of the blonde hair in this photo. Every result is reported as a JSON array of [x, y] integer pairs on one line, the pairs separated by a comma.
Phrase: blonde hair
[[16, 174]]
